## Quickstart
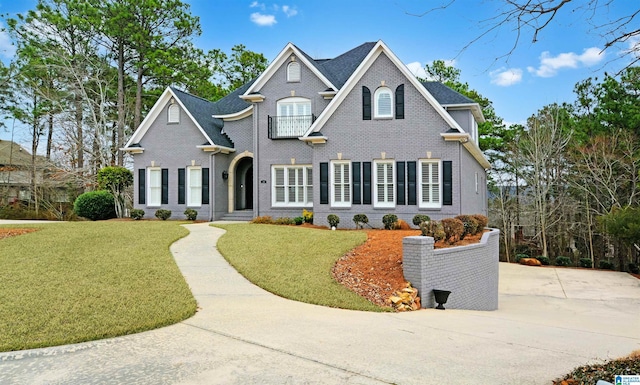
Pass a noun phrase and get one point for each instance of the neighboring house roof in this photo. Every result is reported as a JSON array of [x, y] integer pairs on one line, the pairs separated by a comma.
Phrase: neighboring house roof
[[13, 154]]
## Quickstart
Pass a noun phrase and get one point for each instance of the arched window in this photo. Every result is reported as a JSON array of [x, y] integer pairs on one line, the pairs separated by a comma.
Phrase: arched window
[[173, 113], [383, 103], [294, 118], [293, 72]]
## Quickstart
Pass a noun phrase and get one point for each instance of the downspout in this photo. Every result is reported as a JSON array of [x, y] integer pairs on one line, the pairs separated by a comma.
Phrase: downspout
[[212, 184], [460, 178], [256, 157]]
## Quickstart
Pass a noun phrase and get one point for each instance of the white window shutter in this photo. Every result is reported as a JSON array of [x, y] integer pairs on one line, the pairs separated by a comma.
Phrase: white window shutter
[[173, 114]]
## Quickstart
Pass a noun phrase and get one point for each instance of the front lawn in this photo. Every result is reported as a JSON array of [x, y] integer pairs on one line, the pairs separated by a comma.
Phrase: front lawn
[[82, 281], [294, 262]]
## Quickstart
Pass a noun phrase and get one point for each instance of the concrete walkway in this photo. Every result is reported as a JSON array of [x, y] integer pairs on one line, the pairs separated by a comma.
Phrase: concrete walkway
[[549, 321]]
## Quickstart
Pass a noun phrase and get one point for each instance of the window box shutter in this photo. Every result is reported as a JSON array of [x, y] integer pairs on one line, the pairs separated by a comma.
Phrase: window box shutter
[[366, 103], [181, 186], [400, 183], [447, 183], [205, 186], [411, 183], [366, 183], [165, 186], [324, 183], [400, 102], [357, 185], [142, 193]]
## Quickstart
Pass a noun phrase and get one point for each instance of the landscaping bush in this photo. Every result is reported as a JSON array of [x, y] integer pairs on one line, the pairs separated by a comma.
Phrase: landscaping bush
[[518, 257], [360, 220], [163, 214], [607, 265], [470, 225], [401, 225], [432, 229], [563, 261], [284, 221], [95, 205], [308, 216], [482, 220], [333, 220], [453, 229], [389, 221], [137, 214], [544, 260], [191, 214], [419, 218], [585, 262], [266, 220], [298, 220], [633, 268]]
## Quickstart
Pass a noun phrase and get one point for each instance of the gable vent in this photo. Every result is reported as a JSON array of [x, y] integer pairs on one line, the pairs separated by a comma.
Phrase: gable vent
[[293, 72]]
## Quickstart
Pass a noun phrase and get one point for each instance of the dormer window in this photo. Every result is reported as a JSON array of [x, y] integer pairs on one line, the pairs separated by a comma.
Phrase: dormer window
[[173, 113], [383, 103], [293, 72]]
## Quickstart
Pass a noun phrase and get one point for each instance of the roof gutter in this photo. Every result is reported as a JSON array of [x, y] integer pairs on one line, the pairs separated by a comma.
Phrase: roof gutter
[[470, 145]]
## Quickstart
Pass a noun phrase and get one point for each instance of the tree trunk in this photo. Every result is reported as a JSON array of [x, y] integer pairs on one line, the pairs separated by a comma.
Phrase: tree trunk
[[50, 136], [119, 142], [77, 104], [138, 108]]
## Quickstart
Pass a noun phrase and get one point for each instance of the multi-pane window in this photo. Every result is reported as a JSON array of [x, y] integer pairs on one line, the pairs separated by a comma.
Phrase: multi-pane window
[[194, 183], [155, 187], [383, 103], [430, 190], [292, 185], [341, 184], [173, 113], [294, 117], [384, 191]]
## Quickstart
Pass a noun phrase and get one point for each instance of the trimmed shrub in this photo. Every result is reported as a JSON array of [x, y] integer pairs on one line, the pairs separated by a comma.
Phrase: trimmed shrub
[[298, 220], [518, 257], [401, 225], [482, 220], [284, 221], [308, 216], [544, 260], [163, 214], [333, 220], [453, 229], [419, 218], [470, 225], [137, 214], [95, 205], [432, 229], [389, 221], [585, 262], [266, 220], [634, 269], [607, 265], [563, 261], [360, 220], [191, 214]]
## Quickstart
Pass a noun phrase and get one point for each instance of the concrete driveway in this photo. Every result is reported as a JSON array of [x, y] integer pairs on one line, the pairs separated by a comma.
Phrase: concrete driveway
[[549, 321]]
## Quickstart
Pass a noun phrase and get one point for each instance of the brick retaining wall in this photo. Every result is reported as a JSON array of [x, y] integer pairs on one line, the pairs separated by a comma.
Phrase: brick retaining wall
[[469, 272]]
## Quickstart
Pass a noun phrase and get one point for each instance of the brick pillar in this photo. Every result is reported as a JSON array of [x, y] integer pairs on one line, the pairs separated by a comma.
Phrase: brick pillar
[[417, 251]]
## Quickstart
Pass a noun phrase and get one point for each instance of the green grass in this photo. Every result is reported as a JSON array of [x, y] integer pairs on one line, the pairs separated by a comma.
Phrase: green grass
[[81, 281], [294, 262]]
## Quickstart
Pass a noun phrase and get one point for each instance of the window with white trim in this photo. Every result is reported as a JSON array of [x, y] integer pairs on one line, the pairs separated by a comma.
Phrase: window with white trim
[[154, 175], [292, 185], [430, 179], [341, 183], [173, 113], [294, 117], [293, 72], [384, 190], [383, 100], [194, 189]]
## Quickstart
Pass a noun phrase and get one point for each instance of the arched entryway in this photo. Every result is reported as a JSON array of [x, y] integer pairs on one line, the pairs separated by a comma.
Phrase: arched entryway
[[244, 184]]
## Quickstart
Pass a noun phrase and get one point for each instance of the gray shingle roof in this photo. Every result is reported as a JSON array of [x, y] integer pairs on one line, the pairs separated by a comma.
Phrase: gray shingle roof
[[232, 103], [445, 95]]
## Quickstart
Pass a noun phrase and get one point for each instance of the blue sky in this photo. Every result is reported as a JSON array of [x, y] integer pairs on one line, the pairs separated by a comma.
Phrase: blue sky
[[534, 75]]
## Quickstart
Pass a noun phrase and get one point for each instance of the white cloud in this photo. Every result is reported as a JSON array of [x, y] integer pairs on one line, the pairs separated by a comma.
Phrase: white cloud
[[417, 69], [550, 65], [263, 20], [7, 49], [255, 4], [506, 77], [289, 11]]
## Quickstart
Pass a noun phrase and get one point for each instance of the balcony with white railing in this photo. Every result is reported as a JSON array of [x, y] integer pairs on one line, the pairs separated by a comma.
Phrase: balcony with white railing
[[289, 127]]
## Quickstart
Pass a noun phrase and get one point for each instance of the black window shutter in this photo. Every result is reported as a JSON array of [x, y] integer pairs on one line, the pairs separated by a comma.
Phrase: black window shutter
[[411, 183], [447, 183], [181, 186], [357, 185], [366, 183], [400, 102], [205, 186], [366, 103], [142, 193], [165, 186], [400, 185], [324, 183]]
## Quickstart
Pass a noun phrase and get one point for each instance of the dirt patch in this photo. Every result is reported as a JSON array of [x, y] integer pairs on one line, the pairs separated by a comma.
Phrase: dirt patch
[[6, 233], [374, 269]]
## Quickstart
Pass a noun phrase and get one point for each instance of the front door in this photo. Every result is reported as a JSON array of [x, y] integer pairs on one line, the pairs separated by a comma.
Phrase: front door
[[244, 184]]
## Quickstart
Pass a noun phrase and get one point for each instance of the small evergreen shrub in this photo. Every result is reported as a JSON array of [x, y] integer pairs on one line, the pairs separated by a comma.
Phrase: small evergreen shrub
[[453, 229], [163, 214], [634, 269], [191, 214], [389, 221], [265, 220], [137, 214], [308, 216], [333, 220], [95, 205], [298, 220], [544, 260], [419, 218], [360, 220], [482, 220], [284, 221], [563, 261], [401, 225], [607, 265], [518, 257], [585, 262], [432, 229], [470, 225]]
